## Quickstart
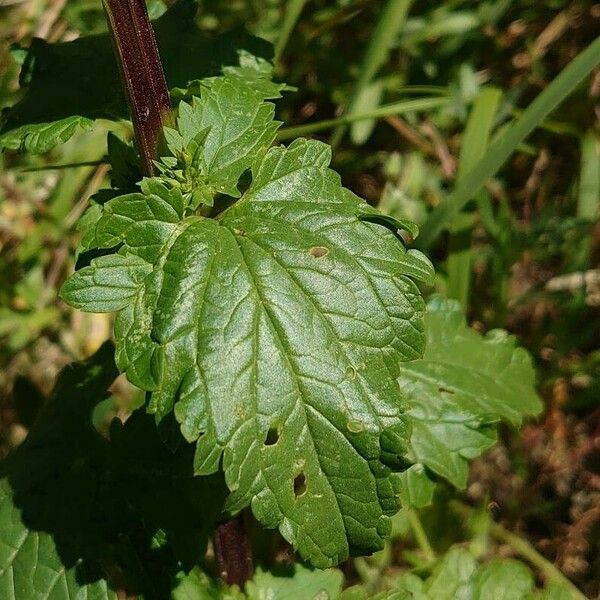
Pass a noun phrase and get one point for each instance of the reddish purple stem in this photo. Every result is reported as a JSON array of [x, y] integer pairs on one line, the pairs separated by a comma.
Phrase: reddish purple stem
[[141, 72], [234, 558], [148, 97]]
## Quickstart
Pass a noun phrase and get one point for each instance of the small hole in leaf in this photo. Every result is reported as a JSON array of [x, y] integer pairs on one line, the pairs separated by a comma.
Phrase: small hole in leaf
[[85, 258], [272, 437], [244, 181], [299, 485], [318, 251]]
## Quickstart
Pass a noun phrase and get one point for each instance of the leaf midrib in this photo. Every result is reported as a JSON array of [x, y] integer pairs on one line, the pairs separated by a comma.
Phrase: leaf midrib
[[296, 379]]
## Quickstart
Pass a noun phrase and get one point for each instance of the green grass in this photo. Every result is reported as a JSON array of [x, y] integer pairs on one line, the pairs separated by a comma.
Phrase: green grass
[[500, 151]]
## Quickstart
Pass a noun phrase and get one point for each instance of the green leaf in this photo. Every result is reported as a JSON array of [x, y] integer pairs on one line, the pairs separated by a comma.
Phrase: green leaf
[[462, 387], [273, 332], [113, 282], [503, 580], [293, 582], [281, 582], [458, 576], [30, 564], [197, 585], [94, 506], [452, 578], [37, 138], [70, 84], [416, 487], [49, 491], [251, 68], [356, 592]]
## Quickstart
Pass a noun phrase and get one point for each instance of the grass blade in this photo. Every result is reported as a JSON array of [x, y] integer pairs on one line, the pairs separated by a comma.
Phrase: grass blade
[[292, 14], [369, 99], [396, 108], [589, 182], [500, 150], [473, 145], [478, 130], [390, 22]]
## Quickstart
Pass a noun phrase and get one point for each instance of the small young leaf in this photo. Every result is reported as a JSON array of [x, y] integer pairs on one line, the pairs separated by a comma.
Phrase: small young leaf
[[220, 134]]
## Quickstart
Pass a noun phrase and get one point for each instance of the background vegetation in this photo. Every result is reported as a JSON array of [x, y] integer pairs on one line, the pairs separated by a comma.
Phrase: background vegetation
[[522, 255]]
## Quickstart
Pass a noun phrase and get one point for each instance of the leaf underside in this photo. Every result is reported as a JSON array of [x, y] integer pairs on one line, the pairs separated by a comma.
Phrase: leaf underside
[[274, 331]]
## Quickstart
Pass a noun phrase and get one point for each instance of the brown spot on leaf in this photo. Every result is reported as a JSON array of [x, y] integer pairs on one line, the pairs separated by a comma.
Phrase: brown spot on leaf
[[318, 251]]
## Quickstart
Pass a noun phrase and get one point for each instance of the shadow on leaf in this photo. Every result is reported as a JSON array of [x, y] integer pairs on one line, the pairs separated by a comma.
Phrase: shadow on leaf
[[125, 509]]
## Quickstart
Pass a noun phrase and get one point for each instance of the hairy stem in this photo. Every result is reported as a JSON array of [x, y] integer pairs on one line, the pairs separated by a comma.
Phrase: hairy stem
[[232, 549], [141, 72]]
